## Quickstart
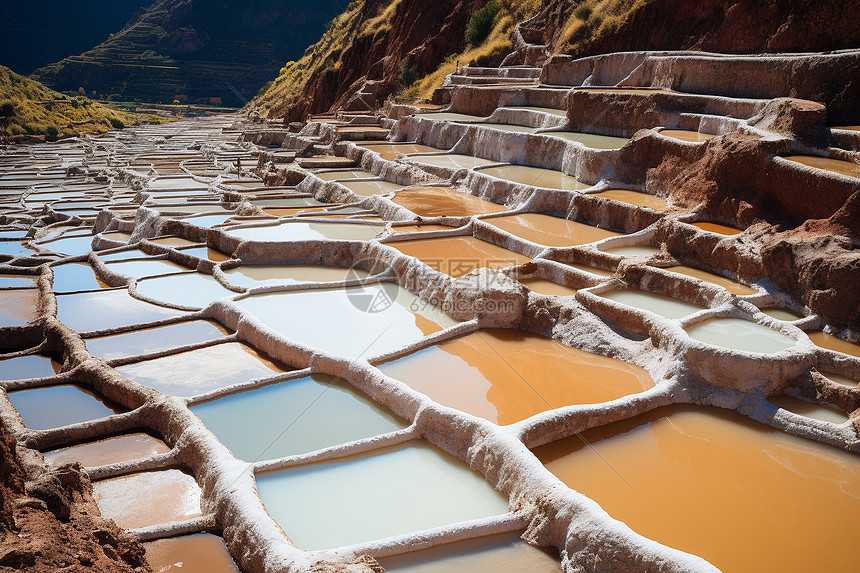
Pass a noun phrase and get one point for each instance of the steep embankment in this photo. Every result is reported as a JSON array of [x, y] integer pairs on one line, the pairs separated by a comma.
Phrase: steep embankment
[[49, 521], [199, 49], [387, 45], [29, 108]]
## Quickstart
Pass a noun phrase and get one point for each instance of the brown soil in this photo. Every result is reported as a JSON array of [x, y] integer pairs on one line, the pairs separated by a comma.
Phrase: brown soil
[[49, 521]]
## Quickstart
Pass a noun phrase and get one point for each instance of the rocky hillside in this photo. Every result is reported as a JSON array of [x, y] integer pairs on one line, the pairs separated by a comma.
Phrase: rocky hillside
[[587, 27], [29, 108], [207, 51], [388, 46]]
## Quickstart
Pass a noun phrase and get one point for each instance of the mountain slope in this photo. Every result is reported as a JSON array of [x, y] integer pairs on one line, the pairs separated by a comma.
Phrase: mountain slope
[[379, 40], [201, 49], [53, 29], [29, 108]]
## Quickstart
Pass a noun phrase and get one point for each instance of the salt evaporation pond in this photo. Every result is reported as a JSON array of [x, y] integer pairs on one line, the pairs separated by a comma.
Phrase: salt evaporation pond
[[687, 135], [740, 334], [350, 322], [338, 175], [300, 231], [191, 290], [808, 409], [665, 306], [717, 228], [458, 256], [368, 188], [32, 366], [781, 314], [549, 110], [198, 553], [828, 164], [75, 277], [716, 484], [550, 231], [591, 270], [508, 375], [535, 176], [391, 151], [61, 405], [148, 498], [830, 342], [592, 140], [450, 116], [18, 281], [634, 198], [443, 201], [116, 309], [392, 491], [632, 251], [500, 553], [151, 340], [252, 276], [251, 423], [205, 253], [173, 242], [203, 370], [70, 245], [452, 161], [138, 269], [733, 287], [114, 450], [18, 306], [510, 128], [548, 287]]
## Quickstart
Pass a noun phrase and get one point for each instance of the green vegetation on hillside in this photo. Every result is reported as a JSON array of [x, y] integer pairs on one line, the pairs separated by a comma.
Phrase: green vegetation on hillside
[[29, 108], [496, 42], [594, 19]]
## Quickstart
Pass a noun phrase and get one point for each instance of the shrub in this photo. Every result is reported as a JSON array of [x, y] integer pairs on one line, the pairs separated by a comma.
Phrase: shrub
[[481, 23], [52, 132], [116, 123], [264, 89], [82, 92], [16, 129], [408, 73], [7, 109]]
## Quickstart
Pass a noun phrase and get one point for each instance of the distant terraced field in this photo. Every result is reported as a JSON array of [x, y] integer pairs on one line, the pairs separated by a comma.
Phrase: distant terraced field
[[222, 50]]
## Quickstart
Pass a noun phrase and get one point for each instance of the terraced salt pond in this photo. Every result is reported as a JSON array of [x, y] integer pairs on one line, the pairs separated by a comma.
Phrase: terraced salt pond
[[314, 504], [740, 334], [491, 554], [251, 423], [733, 287], [458, 256], [535, 176], [830, 342], [197, 372], [665, 306], [338, 175], [151, 340], [118, 309], [634, 198], [300, 231], [368, 188], [550, 231], [60, 405], [547, 287], [198, 553], [442, 201], [450, 116], [452, 161], [391, 151], [592, 140], [632, 251], [337, 320], [507, 375], [32, 366], [839, 166], [114, 450], [72, 277], [187, 290], [148, 498], [18, 306], [687, 135], [682, 475], [808, 409], [717, 228], [252, 276]]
